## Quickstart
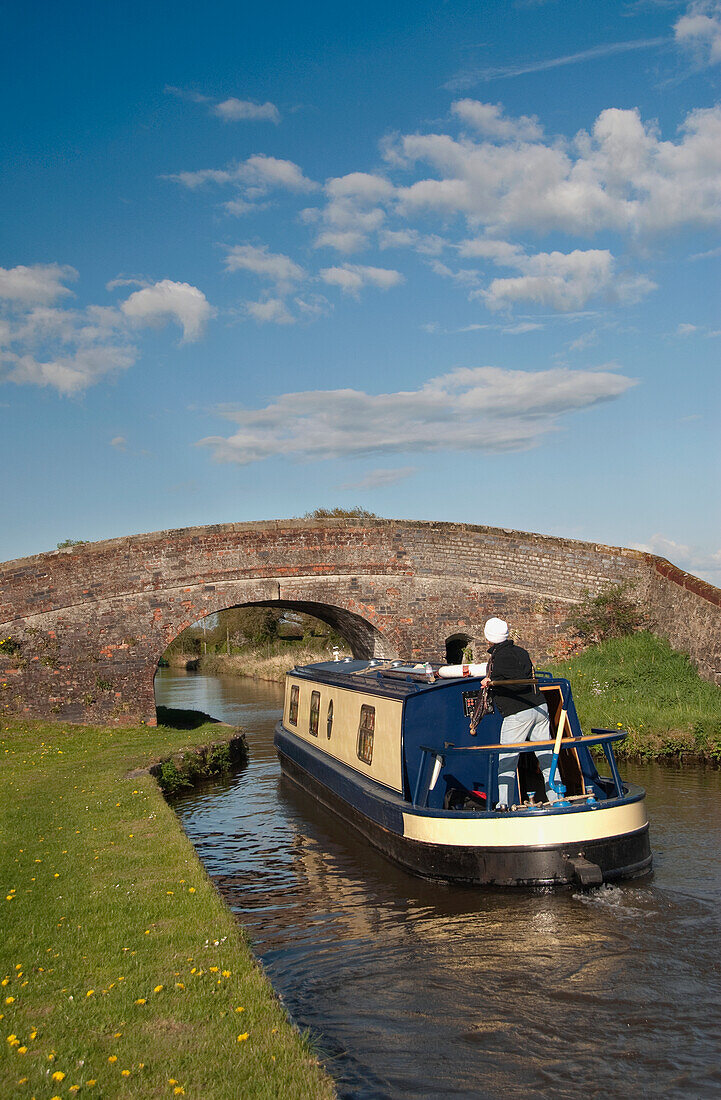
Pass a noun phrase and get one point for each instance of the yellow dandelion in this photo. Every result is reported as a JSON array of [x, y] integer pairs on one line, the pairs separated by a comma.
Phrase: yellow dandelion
[[179, 1090], [90, 993], [5, 981], [9, 1000], [157, 989], [191, 890], [11, 1038], [214, 969], [172, 1081], [140, 1001], [18, 966], [89, 1084], [113, 1058], [58, 1075], [74, 1089], [22, 1050], [179, 985], [33, 1034], [226, 973], [243, 1037], [125, 1073], [23, 1081], [240, 1008], [56, 1098]]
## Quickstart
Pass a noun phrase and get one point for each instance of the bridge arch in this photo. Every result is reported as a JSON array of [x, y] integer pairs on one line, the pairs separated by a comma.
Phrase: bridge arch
[[363, 638]]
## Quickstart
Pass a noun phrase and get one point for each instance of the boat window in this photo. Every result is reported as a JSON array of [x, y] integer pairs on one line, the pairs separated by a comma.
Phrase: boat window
[[366, 729], [314, 713], [293, 708], [329, 720]]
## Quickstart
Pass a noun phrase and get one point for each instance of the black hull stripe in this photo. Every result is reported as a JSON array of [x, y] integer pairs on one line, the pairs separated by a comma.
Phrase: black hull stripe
[[617, 857]]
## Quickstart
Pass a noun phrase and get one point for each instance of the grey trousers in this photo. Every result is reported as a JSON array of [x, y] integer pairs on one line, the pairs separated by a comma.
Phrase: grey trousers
[[533, 725]]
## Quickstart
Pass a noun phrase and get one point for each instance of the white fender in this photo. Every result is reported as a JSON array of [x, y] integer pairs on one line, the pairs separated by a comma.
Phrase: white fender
[[456, 672]]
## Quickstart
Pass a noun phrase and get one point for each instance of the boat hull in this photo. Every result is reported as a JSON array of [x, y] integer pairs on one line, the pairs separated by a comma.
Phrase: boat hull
[[523, 850]]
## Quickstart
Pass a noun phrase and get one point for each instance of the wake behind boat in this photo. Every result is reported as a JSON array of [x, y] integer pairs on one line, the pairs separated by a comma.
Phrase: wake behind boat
[[388, 747]]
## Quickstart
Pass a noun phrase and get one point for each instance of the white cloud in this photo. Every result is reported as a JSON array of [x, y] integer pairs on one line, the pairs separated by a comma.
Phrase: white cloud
[[119, 442], [71, 349], [38, 283], [464, 276], [689, 558], [253, 179], [264, 171], [502, 253], [521, 328], [700, 30], [274, 266], [271, 311], [235, 110], [428, 244], [380, 478], [475, 76], [360, 186], [686, 330], [484, 409], [565, 281], [70, 373], [620, 176], [351, 278], [489, 119], [342, 240], [351, 211], [67, 349], [168, 301], [232, 109]]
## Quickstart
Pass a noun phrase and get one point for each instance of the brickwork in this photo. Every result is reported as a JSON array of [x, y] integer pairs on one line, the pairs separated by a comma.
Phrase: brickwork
[[91, 621]]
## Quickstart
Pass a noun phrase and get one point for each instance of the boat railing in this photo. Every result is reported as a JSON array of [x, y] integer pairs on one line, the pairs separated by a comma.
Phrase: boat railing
[[433, 760]]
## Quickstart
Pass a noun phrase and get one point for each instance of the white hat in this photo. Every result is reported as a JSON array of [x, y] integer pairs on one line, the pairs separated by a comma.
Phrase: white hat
[[496, 630]]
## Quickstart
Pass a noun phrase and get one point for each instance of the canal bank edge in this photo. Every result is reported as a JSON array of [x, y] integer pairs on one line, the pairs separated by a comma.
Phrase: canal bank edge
[[137, 977]]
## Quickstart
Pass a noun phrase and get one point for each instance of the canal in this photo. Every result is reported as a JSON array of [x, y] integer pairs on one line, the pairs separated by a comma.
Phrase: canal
[[415, 989]]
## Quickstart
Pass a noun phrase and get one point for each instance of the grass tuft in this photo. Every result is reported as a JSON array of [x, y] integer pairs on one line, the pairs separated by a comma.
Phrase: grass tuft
[[651, 690]]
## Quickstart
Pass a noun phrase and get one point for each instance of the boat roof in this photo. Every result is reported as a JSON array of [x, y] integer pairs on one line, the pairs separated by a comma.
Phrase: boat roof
[[394, 679]]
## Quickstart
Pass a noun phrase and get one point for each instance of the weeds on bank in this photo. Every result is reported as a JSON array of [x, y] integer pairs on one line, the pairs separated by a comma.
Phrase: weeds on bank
[[122, 972], [654, 692]]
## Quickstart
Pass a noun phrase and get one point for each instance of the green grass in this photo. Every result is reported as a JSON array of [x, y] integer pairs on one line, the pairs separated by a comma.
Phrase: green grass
[[649, 689], [120, 963]]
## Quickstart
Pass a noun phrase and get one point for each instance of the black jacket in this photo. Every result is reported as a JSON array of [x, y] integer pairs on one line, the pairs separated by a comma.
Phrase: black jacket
[[511, 662]]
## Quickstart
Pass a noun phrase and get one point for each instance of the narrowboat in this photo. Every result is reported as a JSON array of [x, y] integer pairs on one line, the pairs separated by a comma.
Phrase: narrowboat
[[399, 752]]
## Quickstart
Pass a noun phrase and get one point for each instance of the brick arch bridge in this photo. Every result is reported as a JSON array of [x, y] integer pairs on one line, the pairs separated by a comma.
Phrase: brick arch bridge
[[87, 624]]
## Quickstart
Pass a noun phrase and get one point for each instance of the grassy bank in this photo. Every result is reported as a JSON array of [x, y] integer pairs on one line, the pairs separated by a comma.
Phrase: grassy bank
[[123, 973], [269, 662], [655, 693]]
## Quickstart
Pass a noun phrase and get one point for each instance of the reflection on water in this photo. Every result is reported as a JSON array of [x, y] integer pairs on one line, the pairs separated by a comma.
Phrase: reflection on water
[[422, 990]]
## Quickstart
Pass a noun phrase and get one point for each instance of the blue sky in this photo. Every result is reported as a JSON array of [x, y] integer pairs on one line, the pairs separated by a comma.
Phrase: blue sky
[[443, 260]]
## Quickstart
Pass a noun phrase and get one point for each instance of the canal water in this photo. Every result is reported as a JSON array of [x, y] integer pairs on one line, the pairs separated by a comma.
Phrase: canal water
[[415, 989]]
